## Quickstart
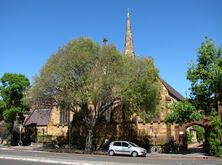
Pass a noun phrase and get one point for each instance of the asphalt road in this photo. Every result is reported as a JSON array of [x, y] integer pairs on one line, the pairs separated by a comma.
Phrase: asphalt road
[[21, 157], [16, 162]]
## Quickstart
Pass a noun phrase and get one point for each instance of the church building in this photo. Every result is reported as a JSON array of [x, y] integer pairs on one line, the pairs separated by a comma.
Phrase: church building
[[54, 122], [157, 129]]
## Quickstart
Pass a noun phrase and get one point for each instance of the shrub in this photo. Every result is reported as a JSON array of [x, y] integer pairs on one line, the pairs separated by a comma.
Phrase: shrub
[[215, 134], [44, 138]]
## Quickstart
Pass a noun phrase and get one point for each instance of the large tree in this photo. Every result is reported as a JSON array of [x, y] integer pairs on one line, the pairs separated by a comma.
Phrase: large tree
[[206, 77], [206, 91], [88, 78], [12, 90]]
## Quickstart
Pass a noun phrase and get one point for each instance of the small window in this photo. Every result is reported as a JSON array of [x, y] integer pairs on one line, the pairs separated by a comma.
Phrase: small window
[[124, 144], [117, 143], [64, 116]]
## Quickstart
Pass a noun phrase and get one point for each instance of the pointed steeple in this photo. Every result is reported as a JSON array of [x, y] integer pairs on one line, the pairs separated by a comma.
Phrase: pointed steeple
[[129, 47]]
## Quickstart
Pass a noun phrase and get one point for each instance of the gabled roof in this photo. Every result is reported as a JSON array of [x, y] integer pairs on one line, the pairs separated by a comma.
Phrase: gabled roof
[[172, 92], [39, 117]]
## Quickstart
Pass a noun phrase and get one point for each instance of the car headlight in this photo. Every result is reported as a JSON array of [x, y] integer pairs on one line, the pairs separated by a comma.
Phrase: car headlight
[[142, 150]]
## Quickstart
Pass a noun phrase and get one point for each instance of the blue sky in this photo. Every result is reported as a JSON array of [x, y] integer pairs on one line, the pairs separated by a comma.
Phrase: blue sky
[[168, 30]]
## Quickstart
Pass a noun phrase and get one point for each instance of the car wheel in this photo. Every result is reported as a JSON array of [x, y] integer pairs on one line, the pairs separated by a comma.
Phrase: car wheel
[[134, 154], [111, 153]]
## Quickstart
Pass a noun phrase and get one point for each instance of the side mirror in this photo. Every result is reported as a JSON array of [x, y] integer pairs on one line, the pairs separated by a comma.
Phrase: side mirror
[[129, 146]]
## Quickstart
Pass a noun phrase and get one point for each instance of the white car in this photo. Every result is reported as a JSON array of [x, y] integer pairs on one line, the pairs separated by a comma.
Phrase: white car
[[126, 148]]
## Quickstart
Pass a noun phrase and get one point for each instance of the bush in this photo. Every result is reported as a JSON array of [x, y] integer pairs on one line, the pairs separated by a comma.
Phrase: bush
[[44, 138], [215, 134], [189, 137], [220, 151], [200, 133]]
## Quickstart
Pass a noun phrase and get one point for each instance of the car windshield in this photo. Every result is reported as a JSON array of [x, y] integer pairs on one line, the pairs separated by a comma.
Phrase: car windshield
[[133, 144]]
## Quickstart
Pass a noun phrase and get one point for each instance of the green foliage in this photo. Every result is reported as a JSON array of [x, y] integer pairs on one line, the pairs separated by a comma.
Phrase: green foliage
[[12, 92], [189, 137], [44, 138], [96, 79], [199, 132], [181, 112], [220, 151], [141, 90], [9, 115], [64, 76], [2, 107], [215, 134], [206, 77], [84, 72], [206, 80]]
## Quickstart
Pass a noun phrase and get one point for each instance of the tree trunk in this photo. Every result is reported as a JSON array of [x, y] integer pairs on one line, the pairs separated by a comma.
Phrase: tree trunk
[[89, 140]]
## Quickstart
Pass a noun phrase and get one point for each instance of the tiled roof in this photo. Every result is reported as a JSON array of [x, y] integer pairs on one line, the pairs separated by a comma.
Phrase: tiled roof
[[39, 117], [175, 94]]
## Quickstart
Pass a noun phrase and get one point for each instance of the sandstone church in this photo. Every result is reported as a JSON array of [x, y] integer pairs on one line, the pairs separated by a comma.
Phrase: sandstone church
[[54, 122]]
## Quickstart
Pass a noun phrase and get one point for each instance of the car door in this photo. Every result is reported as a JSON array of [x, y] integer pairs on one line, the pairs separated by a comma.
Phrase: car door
[[126, 148], [117, 147]]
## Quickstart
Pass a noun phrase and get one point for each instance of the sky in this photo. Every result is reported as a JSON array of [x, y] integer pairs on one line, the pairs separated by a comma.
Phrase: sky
[[170, 31]]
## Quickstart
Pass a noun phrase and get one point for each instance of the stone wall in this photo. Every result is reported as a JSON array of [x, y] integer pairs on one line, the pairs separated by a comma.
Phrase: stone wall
[[124, 124], [55, 128]]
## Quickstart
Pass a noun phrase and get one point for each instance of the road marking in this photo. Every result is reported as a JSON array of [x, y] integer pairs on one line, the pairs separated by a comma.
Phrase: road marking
[[214, 163], [6, 149], [47, 160], [66, 162]]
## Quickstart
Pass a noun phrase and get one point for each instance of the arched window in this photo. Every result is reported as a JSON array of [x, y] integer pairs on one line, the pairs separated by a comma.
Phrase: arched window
[[64, 116]]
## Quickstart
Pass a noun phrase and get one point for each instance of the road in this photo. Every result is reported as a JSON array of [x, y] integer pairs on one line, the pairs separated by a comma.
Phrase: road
[[22, 157]]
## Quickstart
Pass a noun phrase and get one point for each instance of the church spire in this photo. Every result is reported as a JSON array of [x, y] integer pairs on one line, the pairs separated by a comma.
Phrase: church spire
[[129, 47]]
